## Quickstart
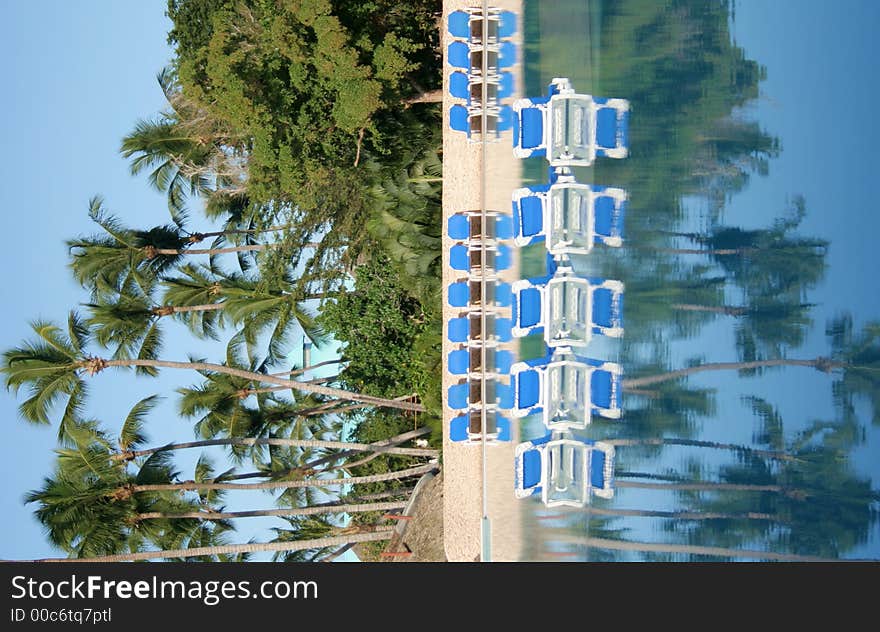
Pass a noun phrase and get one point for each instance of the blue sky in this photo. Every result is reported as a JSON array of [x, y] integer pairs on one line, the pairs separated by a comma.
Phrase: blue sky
[[79, 76]]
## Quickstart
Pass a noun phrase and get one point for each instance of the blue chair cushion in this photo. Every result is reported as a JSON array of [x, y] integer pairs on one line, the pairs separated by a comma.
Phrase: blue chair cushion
[[459, 55], [459, 85], [604, 215], [503, 361], [503, 294], [600, 389], [532, 125], [458, 119], [505, 118], [503, 329], [458, 395], [531, 467], [504, 393], [459, 228], [507, 55], [507, 24], [602, 307], [459, 362], [458, 257], [503, 227], [504, 257], [529, 307], [458, 329], [597, 469], [531, 215], [528, 389], [459, 294], [459, 24], [516, 124], [606, 128], [458, 428], [503, 426]]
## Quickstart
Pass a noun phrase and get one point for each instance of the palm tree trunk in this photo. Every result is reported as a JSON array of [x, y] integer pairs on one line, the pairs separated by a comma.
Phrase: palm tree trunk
[[311, 465], [369, 534], [314, 510], [767, 454], [293, 443], [653, 547], [170, 310], [95, 365], [308, 368], [820, 364], [720, 309], [175, 309], [721, 252], [703, 487], [318, 482], [211, 251]]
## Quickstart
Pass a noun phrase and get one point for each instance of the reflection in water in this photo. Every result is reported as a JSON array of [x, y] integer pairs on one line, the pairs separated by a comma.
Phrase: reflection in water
[[792, 492]]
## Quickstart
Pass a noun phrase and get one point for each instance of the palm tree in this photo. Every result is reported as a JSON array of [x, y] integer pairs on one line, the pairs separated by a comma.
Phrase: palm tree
[[857, 357], [835, 509], [83, 515], [343, 536], [94, 505], [681, 515], [406, 213], [53, 366], [131, 323], [334, 507], [112, 260], [189, 152], [654, 547]]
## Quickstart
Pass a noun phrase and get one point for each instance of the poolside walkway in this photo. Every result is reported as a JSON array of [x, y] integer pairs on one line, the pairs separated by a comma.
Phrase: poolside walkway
[[463, 463]]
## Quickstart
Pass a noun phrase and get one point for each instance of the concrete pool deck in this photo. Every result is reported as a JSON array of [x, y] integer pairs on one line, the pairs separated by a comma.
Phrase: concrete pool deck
[[463, 462]]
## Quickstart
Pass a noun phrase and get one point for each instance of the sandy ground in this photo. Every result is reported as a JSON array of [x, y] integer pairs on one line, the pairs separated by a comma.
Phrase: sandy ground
[[421, 537], [463, 463]]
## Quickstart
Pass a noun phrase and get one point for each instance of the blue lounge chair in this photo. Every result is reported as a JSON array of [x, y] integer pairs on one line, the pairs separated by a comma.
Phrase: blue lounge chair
[[568, 309], [468, 24], [506, 55], [459, 227], [505, 119], [467, 293], [567, 391], [499, 361], [564, 471], [507, 26], [568, 216], [459, 24], [466, 394], [460, 429], [612, 128], [467, 328], [467, 120], [570, 129], [459, 85], [467, 258], [458, 55], [459, 119]]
